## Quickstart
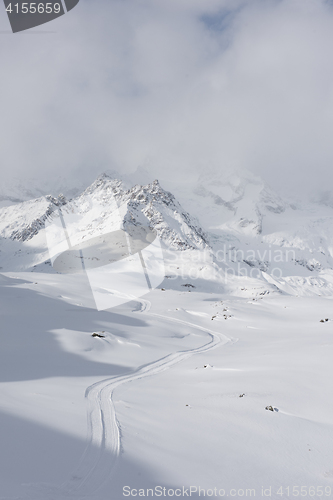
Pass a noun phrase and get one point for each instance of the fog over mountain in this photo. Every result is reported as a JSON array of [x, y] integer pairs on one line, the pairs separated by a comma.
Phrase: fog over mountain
[[175, 87]]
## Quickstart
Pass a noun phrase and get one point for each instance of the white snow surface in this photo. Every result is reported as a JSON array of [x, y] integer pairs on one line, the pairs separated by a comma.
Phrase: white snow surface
[[170, 390]]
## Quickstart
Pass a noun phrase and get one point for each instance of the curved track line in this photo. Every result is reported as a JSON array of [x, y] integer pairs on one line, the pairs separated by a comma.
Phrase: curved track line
[[100, 458]]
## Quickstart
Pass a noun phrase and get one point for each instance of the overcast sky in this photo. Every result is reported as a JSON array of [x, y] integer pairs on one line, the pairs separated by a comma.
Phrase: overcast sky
[[177, 85]]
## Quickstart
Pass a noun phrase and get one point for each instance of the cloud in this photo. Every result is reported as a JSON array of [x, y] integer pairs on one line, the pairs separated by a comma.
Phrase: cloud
[[172, 85]]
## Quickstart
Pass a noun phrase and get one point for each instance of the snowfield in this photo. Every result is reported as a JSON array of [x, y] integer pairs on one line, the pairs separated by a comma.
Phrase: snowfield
[[212, 380]]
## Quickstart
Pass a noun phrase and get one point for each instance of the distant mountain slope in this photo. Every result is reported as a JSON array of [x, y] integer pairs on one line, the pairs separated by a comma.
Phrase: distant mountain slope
[[248, 223], [237, 202]]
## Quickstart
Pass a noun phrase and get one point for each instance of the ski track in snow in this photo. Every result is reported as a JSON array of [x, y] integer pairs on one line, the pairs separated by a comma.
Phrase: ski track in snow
[[99, 461]]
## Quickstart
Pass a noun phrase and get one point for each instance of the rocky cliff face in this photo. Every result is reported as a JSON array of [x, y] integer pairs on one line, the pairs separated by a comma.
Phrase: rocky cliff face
[[23, 221], [104, 204], [148, 205]]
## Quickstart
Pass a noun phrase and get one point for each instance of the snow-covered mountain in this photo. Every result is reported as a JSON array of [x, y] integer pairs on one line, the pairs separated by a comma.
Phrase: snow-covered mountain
[[98, 210], [247, 219], [24, 220], [150, 205], [236, 202], [236, 222]]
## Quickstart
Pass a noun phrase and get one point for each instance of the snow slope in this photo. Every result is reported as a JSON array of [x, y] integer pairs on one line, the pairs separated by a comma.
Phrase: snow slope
[[172, 390], [189, 379]]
